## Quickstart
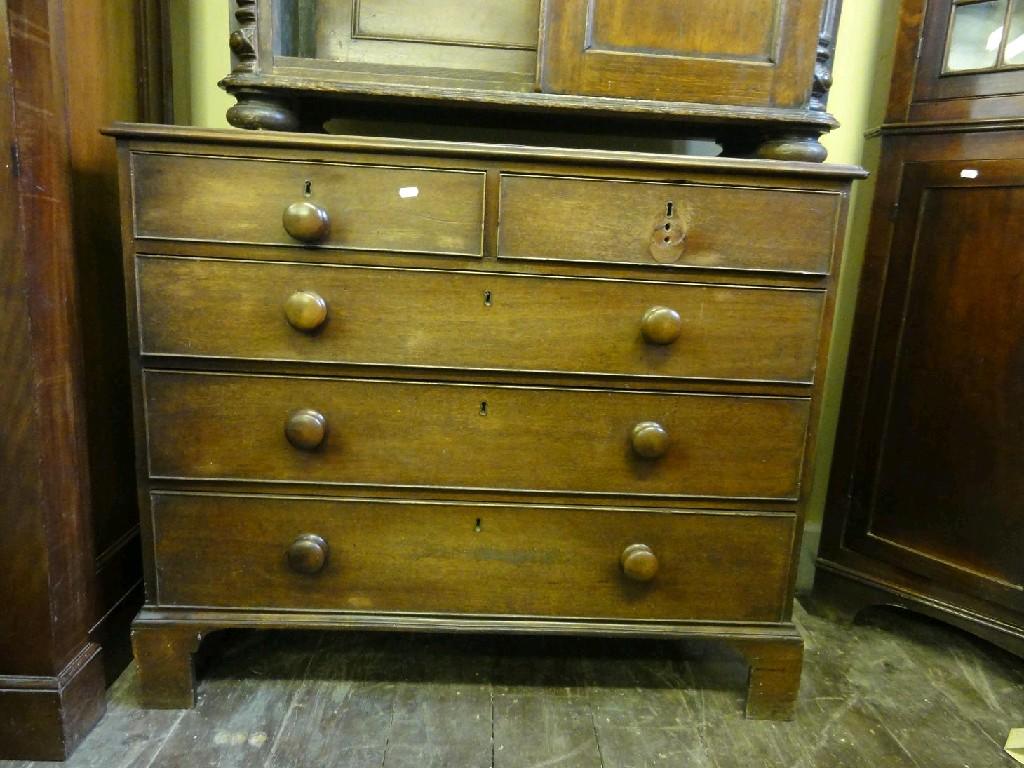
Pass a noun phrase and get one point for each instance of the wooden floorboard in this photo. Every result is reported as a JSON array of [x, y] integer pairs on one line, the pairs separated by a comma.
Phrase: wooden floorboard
[[892, 691], [442, 712], [243, 703], [341, 715], [541, 715], [644, 706]]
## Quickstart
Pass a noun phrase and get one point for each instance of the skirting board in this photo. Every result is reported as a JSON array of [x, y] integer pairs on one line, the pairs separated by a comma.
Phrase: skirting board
[[44, 718]]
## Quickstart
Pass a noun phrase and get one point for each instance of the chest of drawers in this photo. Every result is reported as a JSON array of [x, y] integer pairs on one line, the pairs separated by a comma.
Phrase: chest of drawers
[[382, 384]]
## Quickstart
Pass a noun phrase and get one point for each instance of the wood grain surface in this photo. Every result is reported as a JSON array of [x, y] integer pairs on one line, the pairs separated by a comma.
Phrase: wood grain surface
[[437, 435], [418, 557], [521, 430], [433, 319], [567, 219], [753, 52], [922, 507], [243, 201]]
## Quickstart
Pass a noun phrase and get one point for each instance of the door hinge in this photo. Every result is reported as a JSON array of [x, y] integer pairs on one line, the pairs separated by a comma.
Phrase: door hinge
[[894, 212], [15, 161], [920, 45]]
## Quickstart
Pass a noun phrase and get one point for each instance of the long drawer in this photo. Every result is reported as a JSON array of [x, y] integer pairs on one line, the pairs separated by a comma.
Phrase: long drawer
[[552, 218], [259, 552], [383, 316], [366, 207], [367, 432]]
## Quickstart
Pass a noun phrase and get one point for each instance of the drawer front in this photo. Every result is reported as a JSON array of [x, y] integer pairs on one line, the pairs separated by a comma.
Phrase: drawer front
[[228, 200], [657, 224], [471, 321], [229, 551], [472, 436]]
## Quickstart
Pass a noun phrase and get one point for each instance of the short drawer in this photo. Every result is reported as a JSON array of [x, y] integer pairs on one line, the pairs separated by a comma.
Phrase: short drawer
[[365, 432], [365, 207], [415, 557], [657, 224], [396, 317]]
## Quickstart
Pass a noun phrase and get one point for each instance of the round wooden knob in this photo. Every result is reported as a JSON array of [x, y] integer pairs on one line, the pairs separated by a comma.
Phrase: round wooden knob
[[639, 563], [307, 554], [661, 325], [305, 429], [649, 439], [306, 222], [305, 310]]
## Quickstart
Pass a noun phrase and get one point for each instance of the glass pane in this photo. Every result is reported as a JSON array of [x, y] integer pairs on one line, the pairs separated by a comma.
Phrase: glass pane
[[1015, 42], [977, 33]]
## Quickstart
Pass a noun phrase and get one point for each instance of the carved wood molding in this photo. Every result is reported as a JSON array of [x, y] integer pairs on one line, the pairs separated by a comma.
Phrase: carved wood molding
[[242, 41], [825, 55]]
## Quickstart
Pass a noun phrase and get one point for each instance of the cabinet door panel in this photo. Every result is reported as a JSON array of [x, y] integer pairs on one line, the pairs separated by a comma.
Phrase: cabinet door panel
[[481, 23], [941, 495], [673, 27], [748, 52]]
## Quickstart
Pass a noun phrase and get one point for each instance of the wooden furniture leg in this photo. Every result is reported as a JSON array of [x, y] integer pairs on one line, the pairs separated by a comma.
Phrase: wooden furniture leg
[[804, 147], [164, 655], [774, 682], [258, 111]]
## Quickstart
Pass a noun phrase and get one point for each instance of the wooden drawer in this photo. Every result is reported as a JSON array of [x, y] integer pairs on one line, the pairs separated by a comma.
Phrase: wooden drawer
[[657, 224], [472, 436], [231, 551], [231, 200], [474, 321]]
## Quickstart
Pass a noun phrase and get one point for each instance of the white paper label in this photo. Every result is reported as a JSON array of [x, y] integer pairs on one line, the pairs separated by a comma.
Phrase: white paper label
[[407, 192]]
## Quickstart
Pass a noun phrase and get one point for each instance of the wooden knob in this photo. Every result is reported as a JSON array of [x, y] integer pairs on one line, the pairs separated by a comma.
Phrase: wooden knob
[[305, 310], [649, 439], [307, 554], [639, 563], [661, 325], [305, 429], [306, 222]]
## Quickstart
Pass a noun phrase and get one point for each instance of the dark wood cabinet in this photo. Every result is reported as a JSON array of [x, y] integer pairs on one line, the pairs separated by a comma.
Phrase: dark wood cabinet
[[924, 505], [69, 527], [381, 384], [752, 74]]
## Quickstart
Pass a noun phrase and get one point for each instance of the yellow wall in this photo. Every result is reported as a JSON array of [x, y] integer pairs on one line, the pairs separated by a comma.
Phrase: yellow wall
[[199, 34], [863, 69], [861, 76]]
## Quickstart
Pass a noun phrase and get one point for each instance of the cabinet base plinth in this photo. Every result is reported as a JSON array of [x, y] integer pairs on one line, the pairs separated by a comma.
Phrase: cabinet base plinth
[[165, 642]]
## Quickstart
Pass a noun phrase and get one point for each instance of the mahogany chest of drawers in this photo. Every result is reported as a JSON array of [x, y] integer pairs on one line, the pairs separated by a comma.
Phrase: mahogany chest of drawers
[[385, 384]]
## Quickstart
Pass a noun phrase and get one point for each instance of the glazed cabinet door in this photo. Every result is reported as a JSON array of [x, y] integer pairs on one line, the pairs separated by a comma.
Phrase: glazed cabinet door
[[970, 49], [940, 478], [743, 52]]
